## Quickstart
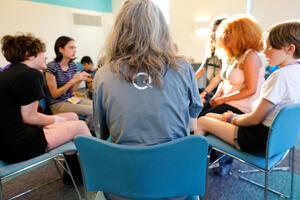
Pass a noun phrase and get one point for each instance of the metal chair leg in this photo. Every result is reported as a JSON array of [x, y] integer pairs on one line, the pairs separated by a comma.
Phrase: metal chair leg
[[1, 193], [257, 184], [206, 178], [28, 191], [70, 173], [266, 185], [57, 168], [292, 156], [256, 170]]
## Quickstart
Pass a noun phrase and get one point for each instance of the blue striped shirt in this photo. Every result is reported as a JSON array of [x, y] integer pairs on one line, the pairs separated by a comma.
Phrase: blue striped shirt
[[62, 77]]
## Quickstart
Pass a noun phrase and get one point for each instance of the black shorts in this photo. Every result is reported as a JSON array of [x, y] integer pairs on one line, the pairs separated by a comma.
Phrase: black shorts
[[23, 145], [253, 139]]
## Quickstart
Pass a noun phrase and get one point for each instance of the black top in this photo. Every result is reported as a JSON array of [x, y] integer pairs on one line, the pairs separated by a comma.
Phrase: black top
[[19, 85]]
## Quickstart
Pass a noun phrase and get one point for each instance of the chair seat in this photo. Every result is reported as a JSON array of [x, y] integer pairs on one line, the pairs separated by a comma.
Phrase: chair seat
[[257, 161], [8, 169]]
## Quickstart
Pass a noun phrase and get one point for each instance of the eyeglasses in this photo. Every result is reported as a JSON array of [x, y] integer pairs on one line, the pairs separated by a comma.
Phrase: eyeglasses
[[227, 32]]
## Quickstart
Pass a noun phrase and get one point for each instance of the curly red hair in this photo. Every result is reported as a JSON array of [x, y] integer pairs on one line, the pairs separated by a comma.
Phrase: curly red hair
[[245, 31]]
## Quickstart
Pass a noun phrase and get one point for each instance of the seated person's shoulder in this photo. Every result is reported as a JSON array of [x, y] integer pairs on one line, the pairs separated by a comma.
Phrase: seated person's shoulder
[[251, 55], [52, 67], [31, 73], [252, 59], [52, 64]]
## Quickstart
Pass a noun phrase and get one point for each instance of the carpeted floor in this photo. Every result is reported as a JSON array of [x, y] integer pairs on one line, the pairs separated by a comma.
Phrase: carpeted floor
[[229, 187], [219, 188]]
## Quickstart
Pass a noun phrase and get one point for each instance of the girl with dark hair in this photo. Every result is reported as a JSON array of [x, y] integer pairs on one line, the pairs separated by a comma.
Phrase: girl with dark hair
[[62, 80], [24, 132], [212, 64]]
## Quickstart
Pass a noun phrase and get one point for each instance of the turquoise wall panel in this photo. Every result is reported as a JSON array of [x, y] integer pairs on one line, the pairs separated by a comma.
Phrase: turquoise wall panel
[[95, 5]]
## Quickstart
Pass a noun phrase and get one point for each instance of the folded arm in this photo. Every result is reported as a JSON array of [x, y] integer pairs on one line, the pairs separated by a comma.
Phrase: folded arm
[[31, 116]]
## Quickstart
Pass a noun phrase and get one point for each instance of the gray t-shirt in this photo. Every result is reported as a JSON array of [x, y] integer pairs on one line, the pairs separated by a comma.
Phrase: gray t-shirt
[[141, 113]]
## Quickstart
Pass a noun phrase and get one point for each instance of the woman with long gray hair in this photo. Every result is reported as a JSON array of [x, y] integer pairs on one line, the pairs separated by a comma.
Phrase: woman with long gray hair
[[144, 94]]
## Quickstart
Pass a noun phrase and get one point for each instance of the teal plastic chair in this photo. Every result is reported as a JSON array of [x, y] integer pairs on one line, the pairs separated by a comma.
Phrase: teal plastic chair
[[9, 171], [281, 141], [174, 168]]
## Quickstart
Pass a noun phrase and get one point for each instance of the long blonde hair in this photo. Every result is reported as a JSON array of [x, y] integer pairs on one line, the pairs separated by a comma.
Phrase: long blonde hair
[[140, 41]]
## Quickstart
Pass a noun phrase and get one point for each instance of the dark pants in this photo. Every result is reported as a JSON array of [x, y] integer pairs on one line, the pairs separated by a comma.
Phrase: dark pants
[[208, 96], [220, 109]]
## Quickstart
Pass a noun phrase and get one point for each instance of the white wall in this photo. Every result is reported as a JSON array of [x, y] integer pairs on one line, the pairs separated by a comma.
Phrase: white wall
[[116, 6], [269, 12], [183, 15], [48, 22]]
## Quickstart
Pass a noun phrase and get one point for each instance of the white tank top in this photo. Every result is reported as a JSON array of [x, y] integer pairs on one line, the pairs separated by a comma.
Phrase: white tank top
[[235, 81]]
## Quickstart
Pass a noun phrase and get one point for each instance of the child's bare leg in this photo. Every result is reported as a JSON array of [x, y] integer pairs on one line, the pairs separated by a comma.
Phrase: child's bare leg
[[69, 116], [223, 130], [214, 115], [60, 133]]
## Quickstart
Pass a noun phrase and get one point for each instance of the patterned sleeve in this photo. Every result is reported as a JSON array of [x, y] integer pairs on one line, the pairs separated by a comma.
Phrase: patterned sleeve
[[52, 68]]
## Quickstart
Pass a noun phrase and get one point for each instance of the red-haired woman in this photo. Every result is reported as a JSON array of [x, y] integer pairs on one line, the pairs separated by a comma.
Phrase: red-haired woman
[[243, 69]]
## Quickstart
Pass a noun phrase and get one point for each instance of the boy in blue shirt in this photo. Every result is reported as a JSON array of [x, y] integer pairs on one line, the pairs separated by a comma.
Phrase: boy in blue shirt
[[87, 64]]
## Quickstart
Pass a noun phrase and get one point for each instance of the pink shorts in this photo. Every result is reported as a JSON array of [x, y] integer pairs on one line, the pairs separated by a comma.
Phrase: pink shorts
[[62, 132]]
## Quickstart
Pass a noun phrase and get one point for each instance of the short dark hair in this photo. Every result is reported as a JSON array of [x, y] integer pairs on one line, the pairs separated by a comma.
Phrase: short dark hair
[[17, 48], [62, 41], [218, 21], [86, 59], [284, 34]]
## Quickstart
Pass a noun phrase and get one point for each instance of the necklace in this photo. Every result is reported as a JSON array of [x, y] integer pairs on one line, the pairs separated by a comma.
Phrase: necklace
[[229, 65], [232, 59]]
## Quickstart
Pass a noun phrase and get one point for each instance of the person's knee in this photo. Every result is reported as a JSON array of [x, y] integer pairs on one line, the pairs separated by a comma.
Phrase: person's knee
[[209, 115], [82, 127], [70, 116], [214, 115], [73, 116], [200, 119]]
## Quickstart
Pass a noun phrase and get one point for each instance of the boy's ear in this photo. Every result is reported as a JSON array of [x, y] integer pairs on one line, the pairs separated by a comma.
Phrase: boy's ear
[[27, 57], [291, 49]]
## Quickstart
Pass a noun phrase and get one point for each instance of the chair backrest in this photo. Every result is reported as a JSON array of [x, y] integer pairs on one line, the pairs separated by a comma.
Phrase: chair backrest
[[284, 130], [175, 168]]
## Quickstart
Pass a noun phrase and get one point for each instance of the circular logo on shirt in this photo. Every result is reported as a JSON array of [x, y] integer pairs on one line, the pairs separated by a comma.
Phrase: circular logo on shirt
[[142, 81]]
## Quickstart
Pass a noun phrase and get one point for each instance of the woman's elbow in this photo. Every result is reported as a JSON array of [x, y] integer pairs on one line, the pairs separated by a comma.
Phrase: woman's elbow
[[54, 94], [251, 91], [256, 121], [27, 119]]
